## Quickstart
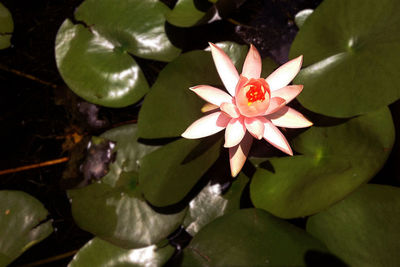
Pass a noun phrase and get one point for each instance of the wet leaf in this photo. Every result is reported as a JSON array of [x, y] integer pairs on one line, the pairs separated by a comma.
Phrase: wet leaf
[[301, 16], [168, 174], [334, 161], [363, 228], [95, 61], [114, 209], [6, 27], [250, 237], [22, 224], [98, 252], [170, 107], [351, 57], [210, 204]]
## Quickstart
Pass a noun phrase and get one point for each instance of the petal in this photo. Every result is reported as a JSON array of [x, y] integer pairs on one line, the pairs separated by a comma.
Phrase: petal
[[211, 94], [208, 107], [276, 138], [252, 64], [255, 127], [288, 92], [284, 74], [226, 70], [289, 118], [275, 104], [238, 154], [234, 132], [207, 125], [230, 109]]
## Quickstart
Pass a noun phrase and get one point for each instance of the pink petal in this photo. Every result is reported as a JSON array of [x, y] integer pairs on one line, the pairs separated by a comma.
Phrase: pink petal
[[276, 138], [255, 127], [234, 132], [230, 109], [275, 104], [252, 64], [226, 70], [211, 94], [208, 107], [288, 92], [284, 74], [207, 125], [289, 118], [238, 154]]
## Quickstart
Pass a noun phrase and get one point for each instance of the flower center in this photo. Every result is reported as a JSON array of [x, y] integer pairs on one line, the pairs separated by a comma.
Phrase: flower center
[[255, 93]]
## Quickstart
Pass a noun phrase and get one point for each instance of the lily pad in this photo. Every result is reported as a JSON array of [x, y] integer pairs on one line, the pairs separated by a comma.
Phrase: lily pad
[[301, 16], [350, 50], [22, 224], [6, 27], [184, 14], [210, 204], [250, 237], [363, 228], [98, 252], [170, 107], [168, 174], [334, 161], [95, 60], [114, 209]]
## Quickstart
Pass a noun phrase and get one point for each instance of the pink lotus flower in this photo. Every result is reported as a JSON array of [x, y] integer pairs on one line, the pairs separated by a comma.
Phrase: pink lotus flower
[[254, 107]]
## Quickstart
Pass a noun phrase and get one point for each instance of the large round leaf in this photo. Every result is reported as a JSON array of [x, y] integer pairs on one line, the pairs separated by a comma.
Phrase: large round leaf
[[335, 160], [210, 204], [170, 107], [168, 174], [22, 224], [113, 208], [97, 70], [351, 54], [250, 237], [6, 27], [98, 252], [362, 229]]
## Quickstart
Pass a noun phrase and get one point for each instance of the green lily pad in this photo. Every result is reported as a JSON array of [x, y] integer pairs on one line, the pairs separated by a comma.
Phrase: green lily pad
[[6, 27], [22, 224], [210, 204], [334, 161], [184, 14], [95, 60], [363, 228], [250, 237], [113, 208], [98, 252], [168, 174], [350, 54], [170, 107]]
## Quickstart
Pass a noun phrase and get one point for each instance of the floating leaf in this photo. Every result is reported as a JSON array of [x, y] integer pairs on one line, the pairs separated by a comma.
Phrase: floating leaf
[[184, 14], [98, 252], [350, 50], [6, 27], [363, 228], [114, 209], [95, 60], [168, 174], [250, 237], [170, 107], [210, 204], [334, 161], [22, 224]]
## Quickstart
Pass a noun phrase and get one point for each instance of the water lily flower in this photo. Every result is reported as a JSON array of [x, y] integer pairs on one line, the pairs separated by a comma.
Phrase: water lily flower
[[254, 106]]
